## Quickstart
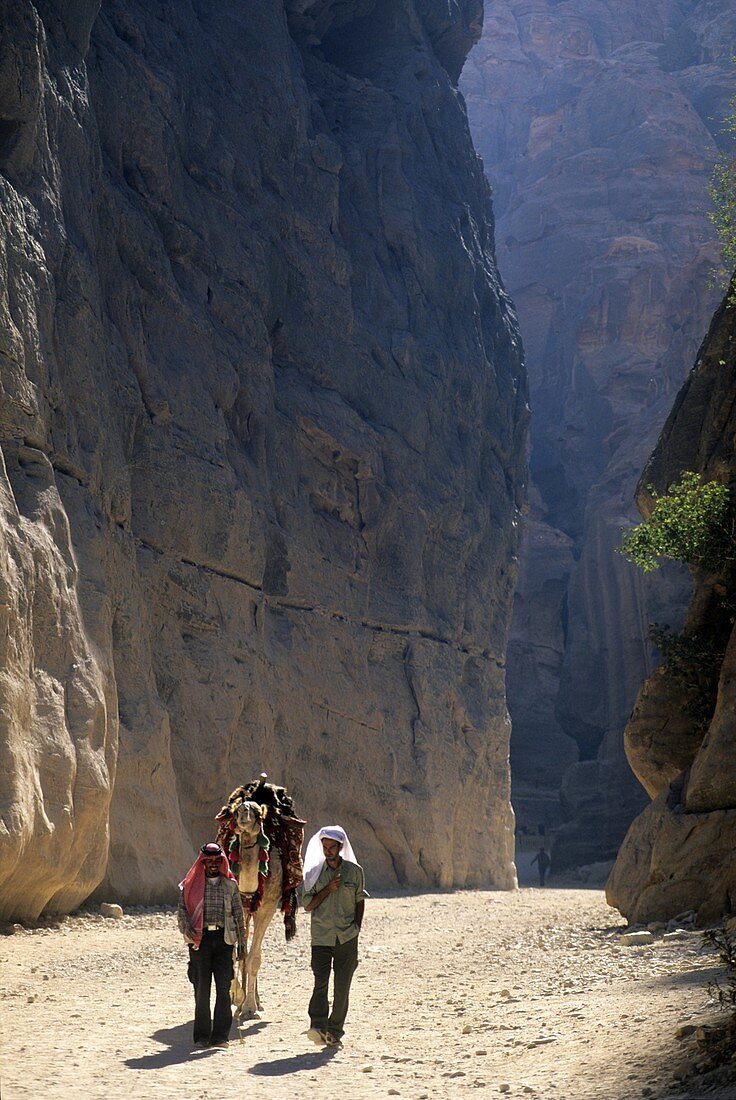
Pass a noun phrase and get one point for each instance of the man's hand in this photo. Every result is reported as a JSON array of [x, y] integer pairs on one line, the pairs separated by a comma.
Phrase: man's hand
[[330, 888]]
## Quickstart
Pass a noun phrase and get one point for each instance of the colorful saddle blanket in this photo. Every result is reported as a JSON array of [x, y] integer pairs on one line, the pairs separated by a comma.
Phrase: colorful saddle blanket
[[281, 828]]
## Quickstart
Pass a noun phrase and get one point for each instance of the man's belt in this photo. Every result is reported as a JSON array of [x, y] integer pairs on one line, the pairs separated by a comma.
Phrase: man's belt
[[214, 927]]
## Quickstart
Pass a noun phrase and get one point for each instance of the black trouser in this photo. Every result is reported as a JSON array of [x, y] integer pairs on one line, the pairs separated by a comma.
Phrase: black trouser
[[343, 959], [214, 959]]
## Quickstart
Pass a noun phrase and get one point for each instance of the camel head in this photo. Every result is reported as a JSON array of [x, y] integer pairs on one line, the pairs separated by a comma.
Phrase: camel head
[[249, 817]]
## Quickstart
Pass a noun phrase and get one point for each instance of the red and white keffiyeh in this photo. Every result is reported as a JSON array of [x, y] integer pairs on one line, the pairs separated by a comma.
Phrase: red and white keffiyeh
[[193, 884]]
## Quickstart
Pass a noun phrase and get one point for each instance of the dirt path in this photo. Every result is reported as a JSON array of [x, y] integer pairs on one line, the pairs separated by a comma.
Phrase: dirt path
[[457, 995]]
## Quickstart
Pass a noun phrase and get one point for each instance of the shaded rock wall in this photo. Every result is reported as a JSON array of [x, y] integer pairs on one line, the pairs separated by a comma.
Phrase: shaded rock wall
[[678, 854], [598, 124], [263, 423]]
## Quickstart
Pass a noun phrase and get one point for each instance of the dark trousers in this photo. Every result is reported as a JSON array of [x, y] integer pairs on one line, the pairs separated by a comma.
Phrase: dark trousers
[[342, 959], [214, 959]]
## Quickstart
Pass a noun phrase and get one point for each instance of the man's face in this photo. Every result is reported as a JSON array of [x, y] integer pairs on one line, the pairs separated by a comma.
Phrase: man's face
[[212, 866], [331, 848]]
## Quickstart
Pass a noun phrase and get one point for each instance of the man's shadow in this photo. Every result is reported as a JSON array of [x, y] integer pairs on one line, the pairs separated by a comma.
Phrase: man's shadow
[[180, 1046], [279, 1067]]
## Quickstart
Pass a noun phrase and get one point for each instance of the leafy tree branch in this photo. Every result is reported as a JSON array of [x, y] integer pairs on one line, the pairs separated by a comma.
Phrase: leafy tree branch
[[692, 522]]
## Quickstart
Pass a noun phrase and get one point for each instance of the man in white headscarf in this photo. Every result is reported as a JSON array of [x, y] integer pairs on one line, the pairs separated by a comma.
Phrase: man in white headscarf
[[334, 893]]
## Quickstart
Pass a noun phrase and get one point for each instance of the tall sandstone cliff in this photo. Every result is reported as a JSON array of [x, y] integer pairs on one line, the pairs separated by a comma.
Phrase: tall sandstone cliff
[[678, 854], [262, 418], [598, 121]]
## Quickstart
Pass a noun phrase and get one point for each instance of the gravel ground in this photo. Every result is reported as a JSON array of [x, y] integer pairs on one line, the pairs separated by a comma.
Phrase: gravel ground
[[462, 994]]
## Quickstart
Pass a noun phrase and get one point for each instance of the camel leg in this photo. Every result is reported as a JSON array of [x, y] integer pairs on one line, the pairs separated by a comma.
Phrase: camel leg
[[261, 921], [237, 987]]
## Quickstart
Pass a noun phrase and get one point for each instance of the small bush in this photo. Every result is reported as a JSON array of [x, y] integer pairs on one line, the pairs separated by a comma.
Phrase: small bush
[[723, 216], [725, 943], [693, 661], [692, 522]]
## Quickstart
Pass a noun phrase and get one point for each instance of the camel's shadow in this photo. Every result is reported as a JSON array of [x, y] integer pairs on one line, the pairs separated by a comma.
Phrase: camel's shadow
[[279, 1067], [251, 1028]]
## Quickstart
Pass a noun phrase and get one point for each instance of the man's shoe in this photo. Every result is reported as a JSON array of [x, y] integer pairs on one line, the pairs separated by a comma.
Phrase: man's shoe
[[202, 1043], [332, 1040], [220, 1043], [316, 1035]]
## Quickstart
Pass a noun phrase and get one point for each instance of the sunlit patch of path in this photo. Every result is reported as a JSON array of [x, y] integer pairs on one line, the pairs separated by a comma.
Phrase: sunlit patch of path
[[458, 994]]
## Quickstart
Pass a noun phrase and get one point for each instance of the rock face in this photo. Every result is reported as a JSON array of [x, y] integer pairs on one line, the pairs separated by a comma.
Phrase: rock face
[[678, 854], [542, 751], [598, 125], [263, 424]]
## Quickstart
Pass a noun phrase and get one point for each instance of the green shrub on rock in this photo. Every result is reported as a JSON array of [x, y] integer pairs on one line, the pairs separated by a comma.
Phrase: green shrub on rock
[[693, 660], [692, 522], [723, 216]]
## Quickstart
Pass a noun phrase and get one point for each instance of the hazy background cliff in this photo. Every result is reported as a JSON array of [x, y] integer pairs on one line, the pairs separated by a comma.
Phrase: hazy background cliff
[[598, 121], [262, 417]]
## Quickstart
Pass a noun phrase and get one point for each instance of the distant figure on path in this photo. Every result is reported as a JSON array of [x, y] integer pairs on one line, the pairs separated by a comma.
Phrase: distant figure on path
[[334, 893], [542, 861], [210, 919]]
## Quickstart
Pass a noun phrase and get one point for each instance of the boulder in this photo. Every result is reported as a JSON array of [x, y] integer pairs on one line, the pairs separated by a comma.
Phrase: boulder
[[110, 909], [635, 939], [671, 859]]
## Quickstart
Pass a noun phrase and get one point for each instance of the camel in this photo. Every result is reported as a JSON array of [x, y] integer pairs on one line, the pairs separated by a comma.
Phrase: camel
[[257, 829], [244, 990]]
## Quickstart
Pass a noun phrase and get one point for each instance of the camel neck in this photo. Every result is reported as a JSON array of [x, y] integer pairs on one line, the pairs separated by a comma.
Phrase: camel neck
[[248, 876]]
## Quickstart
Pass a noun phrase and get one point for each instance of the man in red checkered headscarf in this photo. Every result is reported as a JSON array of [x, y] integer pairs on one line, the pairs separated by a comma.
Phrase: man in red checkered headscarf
[[210, 919]]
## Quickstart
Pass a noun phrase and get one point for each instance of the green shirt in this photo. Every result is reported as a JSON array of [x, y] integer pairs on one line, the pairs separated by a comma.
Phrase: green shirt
[[334, 920]]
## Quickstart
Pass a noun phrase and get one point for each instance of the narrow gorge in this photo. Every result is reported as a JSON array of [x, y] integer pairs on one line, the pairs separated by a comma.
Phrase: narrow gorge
[[598, 123], [263, 422]]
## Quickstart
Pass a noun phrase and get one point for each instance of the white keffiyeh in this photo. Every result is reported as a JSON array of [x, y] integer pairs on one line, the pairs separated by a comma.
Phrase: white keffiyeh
[[314, 857]]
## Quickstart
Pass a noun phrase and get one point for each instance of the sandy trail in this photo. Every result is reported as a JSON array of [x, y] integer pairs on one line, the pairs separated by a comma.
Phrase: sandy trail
[[457, 994]]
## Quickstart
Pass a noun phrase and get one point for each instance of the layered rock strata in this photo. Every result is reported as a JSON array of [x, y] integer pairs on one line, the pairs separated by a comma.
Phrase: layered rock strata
[[678, 854], [263, 422], [598, 124]]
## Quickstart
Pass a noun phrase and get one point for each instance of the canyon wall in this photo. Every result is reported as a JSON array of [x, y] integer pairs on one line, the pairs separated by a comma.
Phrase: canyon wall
[[263, 419], [598, 122], [678, 854]]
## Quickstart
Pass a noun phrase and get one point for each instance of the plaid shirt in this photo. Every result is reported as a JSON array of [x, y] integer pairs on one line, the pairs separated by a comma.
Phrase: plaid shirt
[[216, 897], [214, 902]]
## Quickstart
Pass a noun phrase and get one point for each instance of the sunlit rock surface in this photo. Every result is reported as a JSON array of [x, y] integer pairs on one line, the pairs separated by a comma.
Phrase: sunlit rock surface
[[263, 422], [598, 124], [678, 854]]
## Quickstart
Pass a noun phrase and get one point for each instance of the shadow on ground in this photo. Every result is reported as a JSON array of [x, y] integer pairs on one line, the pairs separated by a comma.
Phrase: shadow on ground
[[699, 975], [180, 1048], [279, 1067]]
